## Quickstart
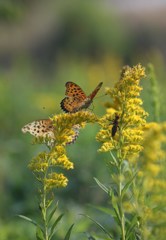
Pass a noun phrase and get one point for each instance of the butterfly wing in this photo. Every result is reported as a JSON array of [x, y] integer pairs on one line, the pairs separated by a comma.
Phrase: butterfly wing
[[76, 131], [44, 128], [75, 98], [95, 91], [39, 128], [73, 90], [70, 104]]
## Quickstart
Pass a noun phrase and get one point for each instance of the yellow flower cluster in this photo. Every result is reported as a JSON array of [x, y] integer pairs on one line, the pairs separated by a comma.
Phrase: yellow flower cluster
[[40, 163], [153, 153], [65, 131], [55, 158], [55, 180], [67, 125], [152, 180], [125, 131], [58, 158]]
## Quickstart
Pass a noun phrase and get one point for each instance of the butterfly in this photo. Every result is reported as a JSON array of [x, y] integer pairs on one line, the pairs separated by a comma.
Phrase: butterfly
[[44, 128], [76, 99]]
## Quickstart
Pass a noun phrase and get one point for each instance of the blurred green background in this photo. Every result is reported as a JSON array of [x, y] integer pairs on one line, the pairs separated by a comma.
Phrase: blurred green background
[[44, 44]]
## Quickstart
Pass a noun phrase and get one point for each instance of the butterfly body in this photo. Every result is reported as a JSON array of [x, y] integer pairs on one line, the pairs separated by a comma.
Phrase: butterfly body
[[76, 99]]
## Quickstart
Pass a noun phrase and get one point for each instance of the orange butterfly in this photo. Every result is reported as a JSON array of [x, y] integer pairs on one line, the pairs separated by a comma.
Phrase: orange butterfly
[[76, 99], [44, 128]]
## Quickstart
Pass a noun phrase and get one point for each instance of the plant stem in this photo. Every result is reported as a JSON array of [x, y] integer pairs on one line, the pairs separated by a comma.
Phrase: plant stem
[[120, 173], [120, 203], [44, 212]]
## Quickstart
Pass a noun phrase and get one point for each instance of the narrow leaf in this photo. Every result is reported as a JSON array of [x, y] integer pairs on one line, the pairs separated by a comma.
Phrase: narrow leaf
[[54, 225], [103, 209], [117, 216], [28, 219], [102, 186], [67, 237], [39, 234], [49, 203], [114, 158], [116, 209], [99, 225], [127, 185], [132, 225], [52, 212]]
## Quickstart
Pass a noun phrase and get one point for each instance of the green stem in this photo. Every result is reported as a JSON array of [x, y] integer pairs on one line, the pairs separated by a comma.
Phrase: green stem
[[155, 97], [44, 211], [120, 204], [120, 173]]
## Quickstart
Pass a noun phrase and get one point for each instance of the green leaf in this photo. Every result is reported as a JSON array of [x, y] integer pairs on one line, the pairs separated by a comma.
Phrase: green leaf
[[54, 225], [103, 209], [117, 216], [39, 234], [28, 219], [99, 225], [114, 159], [49, 203], [67, 237], [132, 225], [102, 186], [127, 185], [116, 209], [52, 212]]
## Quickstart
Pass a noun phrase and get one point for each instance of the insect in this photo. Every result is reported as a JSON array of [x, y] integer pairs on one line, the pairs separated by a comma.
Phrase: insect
[[76, 99], [44, 128], [115, 124]]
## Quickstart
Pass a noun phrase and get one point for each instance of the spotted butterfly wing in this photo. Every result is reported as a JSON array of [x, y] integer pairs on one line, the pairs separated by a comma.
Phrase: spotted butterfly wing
[[39, 128], [44, 128], [76, 129], [76, 99], [73, 90]]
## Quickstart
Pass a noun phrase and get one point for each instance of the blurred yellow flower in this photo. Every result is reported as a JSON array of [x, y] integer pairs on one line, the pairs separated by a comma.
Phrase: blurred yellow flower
[[152, 181]]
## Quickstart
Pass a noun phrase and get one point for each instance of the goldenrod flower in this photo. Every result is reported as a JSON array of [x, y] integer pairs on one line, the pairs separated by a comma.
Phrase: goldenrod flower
[[40, 163], [55, 133], [65, 129], [153, 153], [55, 180], [62, 161], [68, 124], [152, 181], [127, 105]]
